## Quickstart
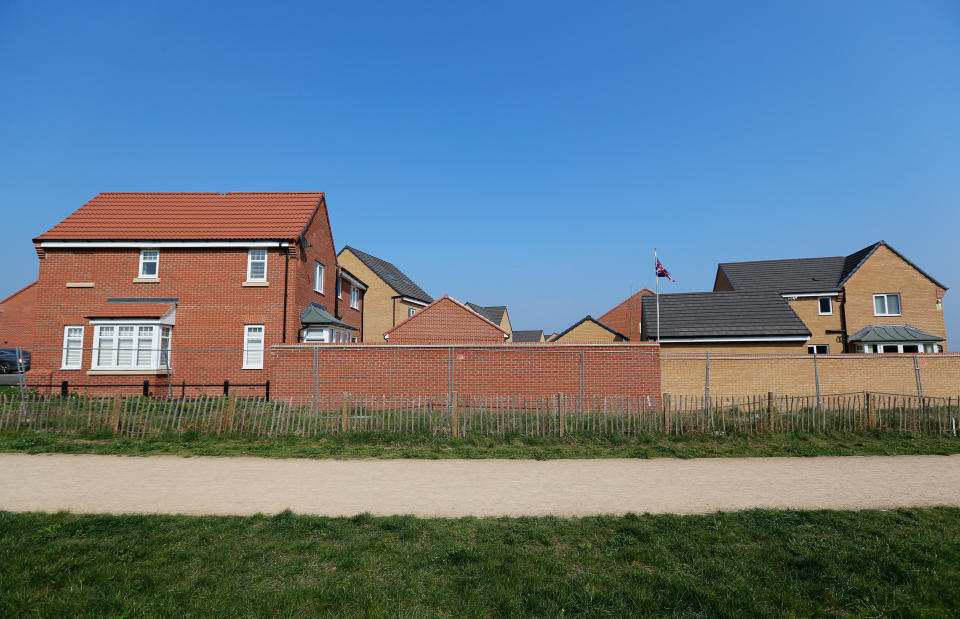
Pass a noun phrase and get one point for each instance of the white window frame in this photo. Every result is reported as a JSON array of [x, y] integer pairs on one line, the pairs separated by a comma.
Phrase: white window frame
[[410, 312], [339, 287], [153, 345], [251, 260], [318, 274], [140, 273], [820, 307], [354, 297], [886, 304], [815, 347], [247, 365], [316, 335], [67, 348]]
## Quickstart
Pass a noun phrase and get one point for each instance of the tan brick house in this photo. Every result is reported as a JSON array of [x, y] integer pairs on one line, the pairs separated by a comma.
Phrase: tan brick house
[[446, 321], [190, 286], [873, 300], [390, 298], [589, 330]]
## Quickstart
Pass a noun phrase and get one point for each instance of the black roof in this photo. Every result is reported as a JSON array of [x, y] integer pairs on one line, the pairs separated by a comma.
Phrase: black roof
[[893, 333], [528, 336], [721, 314], [391, 275], [493, 313], [803, 275], [316, 315], [588, 318]]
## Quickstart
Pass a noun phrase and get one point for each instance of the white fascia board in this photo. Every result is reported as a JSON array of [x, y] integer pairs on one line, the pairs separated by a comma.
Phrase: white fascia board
[[414, 301], [791, 338], [353, 280], [156, 244], [810, 294]]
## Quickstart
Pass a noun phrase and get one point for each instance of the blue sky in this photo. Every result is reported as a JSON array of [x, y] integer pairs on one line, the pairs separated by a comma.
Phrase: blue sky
[[527, 154]]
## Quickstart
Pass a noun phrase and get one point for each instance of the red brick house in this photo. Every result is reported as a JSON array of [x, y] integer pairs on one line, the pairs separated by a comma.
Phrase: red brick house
[[17, 318], [446, 321], [194, 286], [626, 316]]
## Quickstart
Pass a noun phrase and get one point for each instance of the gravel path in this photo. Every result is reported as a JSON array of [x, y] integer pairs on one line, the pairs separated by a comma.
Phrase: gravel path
[[175, 485]]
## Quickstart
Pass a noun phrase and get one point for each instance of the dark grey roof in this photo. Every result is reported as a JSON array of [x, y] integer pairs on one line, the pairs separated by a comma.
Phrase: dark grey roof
[[392, 276], [528, 336], [721, 314], [892, 333], [588, 318], [799, 275], [493, 313], [791, 275], [317, 316]]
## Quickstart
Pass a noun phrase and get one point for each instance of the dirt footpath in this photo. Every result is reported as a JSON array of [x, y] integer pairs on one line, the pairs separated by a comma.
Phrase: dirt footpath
[[175, 485]]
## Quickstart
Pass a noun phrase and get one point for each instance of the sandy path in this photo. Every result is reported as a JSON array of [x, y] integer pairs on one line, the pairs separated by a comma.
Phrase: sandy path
[[170, 484]]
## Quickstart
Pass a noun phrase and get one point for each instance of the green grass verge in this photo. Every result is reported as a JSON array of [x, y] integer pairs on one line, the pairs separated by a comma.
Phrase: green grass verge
[[756, 563], [366, 445]]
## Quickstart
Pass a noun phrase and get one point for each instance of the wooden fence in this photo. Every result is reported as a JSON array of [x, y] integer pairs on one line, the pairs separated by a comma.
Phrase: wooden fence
[[461, 415]]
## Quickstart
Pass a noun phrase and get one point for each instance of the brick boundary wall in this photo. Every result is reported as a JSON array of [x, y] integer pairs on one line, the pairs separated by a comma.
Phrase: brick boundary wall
[[524, 370], [737, 375]]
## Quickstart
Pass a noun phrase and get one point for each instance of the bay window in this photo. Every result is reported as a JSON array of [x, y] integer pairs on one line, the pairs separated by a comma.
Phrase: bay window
[[130, 346]]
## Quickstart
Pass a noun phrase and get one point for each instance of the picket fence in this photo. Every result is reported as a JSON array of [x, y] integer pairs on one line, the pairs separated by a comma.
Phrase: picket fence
[[459, 415]]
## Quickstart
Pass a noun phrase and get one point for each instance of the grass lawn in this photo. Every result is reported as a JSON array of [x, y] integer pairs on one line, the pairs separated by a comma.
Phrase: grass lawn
[[367, 445], [770, 563]]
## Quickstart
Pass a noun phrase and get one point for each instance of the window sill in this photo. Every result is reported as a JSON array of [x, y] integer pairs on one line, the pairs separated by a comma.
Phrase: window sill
[[887, 315], [70, 369], [251, 368], [255, 284], [146, 280], [143, 372]]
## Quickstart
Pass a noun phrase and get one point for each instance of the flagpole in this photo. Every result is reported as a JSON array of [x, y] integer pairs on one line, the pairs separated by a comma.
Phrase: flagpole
[[656, 276]]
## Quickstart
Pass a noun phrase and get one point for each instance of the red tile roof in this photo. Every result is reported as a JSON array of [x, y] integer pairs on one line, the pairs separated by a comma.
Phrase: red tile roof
[[129, 310], [189, 216]]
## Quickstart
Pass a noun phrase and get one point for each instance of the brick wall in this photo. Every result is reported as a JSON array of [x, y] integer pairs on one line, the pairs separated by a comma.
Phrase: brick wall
[[446, 321], [529, 370], [808, 309], [18, 318], [625, 317], [794, 375]]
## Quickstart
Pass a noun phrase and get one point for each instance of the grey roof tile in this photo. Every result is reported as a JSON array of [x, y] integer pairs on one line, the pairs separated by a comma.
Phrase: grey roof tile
[[528, 335], [721, 314], [892, 333], [394, 277], [316, 315], [493, 313]]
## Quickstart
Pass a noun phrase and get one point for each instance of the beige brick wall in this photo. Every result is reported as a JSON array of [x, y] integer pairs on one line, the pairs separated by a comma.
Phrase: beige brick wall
[[886, 272], [940, 375], [808, 309], [588, 333], [506, 326]]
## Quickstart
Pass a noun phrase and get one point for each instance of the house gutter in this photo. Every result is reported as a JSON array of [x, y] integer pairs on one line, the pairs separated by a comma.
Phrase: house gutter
[[286, 281], [843, 318]]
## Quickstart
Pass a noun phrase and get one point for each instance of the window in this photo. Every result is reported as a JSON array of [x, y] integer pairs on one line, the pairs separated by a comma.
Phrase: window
[[257, 265], [318, 277], [339, 288], [316, 335], [354, 298], [826, 306], [818, 349], [149, 263], [123, 346], [253, 347], [886, 304], [353, 340], [72, 348], [411, 312]]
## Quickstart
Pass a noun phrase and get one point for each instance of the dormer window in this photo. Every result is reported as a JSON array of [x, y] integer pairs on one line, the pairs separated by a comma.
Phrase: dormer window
[[149, 263], [887, 304], [826, 306]]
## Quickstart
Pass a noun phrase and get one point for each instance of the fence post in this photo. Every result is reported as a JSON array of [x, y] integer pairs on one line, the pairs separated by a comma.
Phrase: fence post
[[226, 387], [183, 389], [267, 390], [706, 385], [146, 388], [916, 370], [560, 408], [871, 414], [346, 401], [666, 413], [454, 403], [64, 388], [816, 378], [115, 417], [231, 410], [770, 424]]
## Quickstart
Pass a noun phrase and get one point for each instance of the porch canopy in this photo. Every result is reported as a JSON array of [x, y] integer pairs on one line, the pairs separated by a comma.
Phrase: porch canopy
[[894, 338]]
